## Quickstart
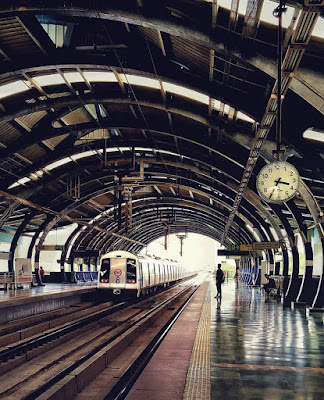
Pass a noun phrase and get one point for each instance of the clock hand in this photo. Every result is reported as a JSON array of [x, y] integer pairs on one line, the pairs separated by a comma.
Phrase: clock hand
[[274, 189], [280, 181], [272, 193]]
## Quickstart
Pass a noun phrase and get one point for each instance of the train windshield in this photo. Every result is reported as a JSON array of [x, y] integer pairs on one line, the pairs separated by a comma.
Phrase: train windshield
[[105, 270], [131, 271]]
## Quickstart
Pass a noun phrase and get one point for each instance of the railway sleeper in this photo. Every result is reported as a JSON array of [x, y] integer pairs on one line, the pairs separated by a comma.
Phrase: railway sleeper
[[80, 378]]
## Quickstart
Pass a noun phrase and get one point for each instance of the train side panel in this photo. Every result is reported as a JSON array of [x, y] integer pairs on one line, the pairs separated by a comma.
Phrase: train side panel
[[122, 271]]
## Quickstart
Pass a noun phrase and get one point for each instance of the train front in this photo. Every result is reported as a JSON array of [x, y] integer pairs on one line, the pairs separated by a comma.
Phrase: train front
[[118, 272]]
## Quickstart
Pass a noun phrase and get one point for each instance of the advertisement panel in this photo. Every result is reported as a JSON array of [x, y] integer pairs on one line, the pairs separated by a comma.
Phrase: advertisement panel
[[23, 270]]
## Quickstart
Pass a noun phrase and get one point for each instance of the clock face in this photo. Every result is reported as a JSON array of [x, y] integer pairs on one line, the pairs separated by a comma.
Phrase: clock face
[[277, 182]]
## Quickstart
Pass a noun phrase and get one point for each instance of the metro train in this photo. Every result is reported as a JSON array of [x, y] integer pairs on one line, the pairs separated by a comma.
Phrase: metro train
[[122, 271]]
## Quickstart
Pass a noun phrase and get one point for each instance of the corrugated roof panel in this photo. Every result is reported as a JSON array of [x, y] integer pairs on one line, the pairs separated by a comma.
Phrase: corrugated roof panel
[[78, 116], [31, 119], [33, 152], [190, 55], [52, 143], [8, 133], [151, 34], [98, 134], [14, 39]]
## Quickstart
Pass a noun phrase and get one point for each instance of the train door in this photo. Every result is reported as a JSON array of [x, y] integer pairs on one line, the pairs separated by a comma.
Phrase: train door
[[118, 272], [104, 273], [145, 270], [131, 270], [158, 274], [140, 275], [153, 273]]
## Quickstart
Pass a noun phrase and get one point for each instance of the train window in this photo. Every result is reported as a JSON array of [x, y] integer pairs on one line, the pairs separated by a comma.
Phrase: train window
[[105, 270], [131, 270]]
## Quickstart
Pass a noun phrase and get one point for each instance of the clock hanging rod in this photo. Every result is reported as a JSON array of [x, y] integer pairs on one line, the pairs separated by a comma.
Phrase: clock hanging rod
[[278, 14]]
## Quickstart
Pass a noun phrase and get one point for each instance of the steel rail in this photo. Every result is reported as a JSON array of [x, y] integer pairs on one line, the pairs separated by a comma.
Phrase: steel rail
[[13, 350], [55, 379]]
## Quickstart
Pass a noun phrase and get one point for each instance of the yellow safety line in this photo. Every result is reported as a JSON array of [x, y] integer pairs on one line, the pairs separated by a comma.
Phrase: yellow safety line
[[198, 376]]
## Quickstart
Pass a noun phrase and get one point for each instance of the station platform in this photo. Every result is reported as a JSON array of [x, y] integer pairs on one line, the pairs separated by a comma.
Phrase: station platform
[[242, 347], [18, 303]]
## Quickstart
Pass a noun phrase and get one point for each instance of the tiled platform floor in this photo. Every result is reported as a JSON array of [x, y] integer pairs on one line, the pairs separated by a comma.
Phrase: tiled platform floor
[[262, 351], [48, 288]]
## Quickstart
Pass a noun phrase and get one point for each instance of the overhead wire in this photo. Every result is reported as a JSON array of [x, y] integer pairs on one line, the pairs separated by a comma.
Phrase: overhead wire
[[130, 87]]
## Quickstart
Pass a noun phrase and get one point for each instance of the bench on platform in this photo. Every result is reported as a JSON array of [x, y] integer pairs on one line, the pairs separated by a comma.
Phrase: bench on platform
[[278, 279], [7, 279]]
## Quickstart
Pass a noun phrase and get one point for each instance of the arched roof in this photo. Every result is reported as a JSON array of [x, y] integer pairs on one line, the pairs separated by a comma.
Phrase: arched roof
[[175, 93]]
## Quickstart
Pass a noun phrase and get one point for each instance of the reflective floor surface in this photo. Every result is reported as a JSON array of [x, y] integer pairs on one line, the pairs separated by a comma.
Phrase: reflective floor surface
[[260, 350]]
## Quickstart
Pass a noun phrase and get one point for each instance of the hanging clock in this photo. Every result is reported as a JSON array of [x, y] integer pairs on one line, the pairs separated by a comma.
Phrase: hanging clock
[[277, 182]]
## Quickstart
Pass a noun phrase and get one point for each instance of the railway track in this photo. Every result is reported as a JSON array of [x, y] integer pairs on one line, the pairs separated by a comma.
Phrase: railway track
[[66, 359]]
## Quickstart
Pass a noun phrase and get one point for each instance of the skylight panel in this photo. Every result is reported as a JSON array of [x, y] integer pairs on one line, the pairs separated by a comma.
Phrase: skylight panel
[[73, 77], [216, 104], [226, 108], [313, 134], [100, 76], [244, 117], [83, 155], [267, 16], [56, 32], [36, 175], [13, 88], [266, 12], [49, 80], [58, 163], [13, 185], [319, 28], [185, 92], [23, 180], [141, 81]]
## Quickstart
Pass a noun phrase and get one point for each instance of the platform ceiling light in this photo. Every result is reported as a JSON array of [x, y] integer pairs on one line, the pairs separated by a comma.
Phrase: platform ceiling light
[[314, 134]]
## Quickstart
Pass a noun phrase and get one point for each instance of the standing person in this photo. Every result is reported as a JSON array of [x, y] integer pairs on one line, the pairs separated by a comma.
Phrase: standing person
[[220, 277], [236, 276], [41, 273]]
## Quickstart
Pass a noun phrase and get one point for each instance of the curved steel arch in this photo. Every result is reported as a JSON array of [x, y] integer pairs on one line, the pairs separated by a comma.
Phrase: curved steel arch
[[167, 25]]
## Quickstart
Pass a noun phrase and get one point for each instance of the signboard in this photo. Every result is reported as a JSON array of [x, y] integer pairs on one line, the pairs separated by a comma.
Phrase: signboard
[[23, 270], [48, 247], [221, 252], [246, 247], [265, 245]]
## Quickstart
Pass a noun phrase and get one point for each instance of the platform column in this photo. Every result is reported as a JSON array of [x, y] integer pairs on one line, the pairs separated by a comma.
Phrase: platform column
[[294, 284], [306, 293], [319, 297]]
